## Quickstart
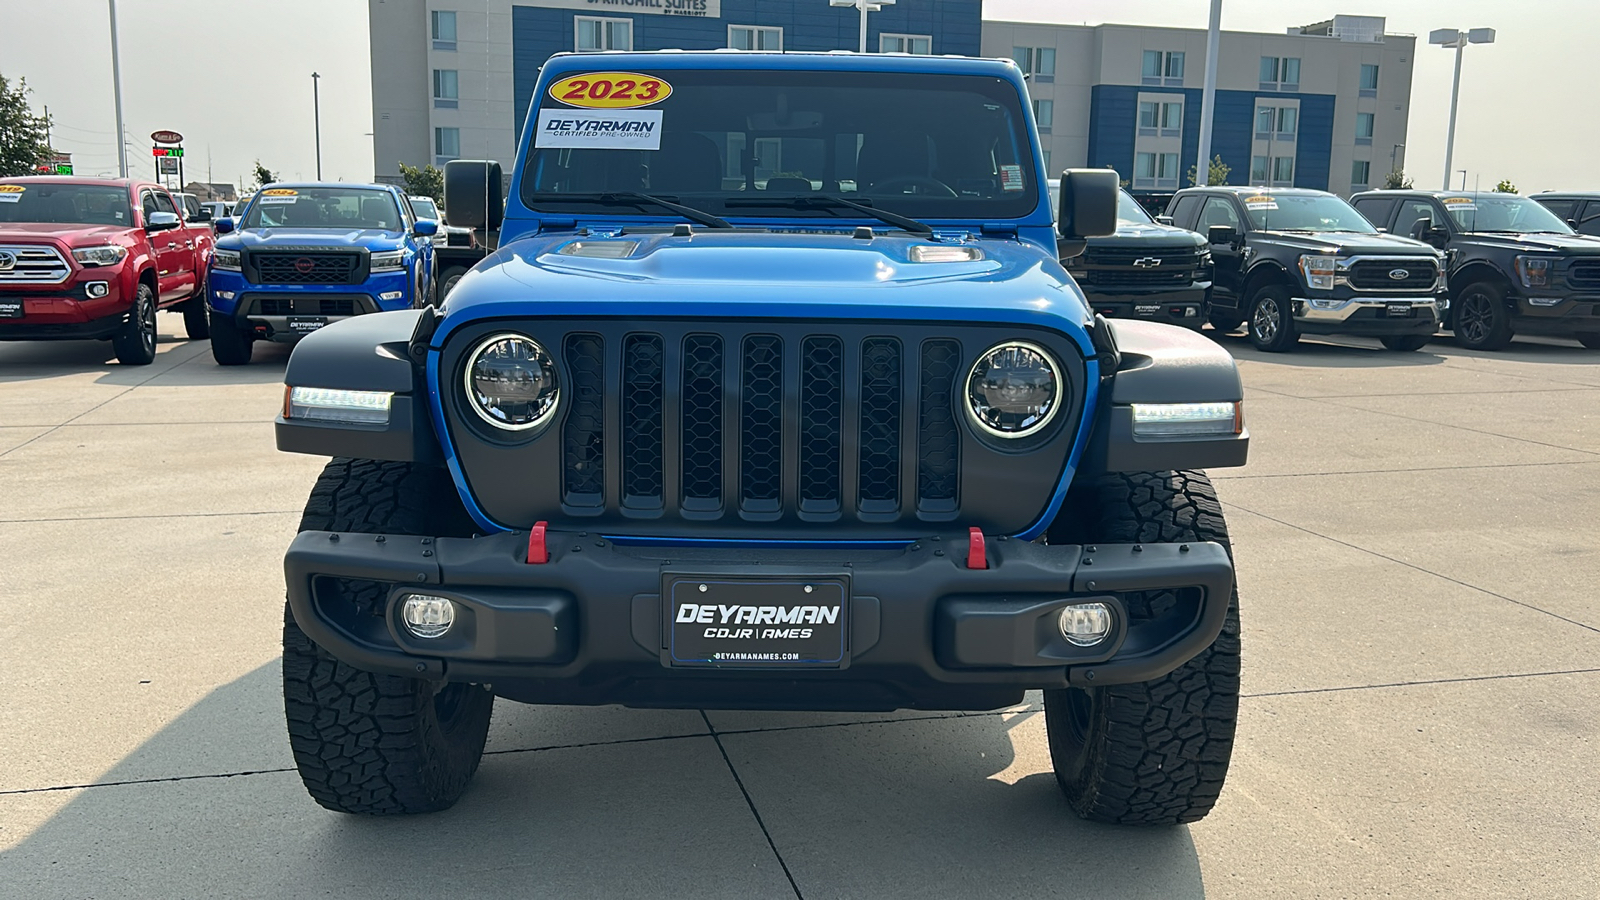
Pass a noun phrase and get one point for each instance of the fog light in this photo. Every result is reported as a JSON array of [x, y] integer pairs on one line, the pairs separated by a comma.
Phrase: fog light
[[427, 616], [96, 289], [1190, 312], [1086, 624], [1545, 301], [225, 295], [391, 295], [1324, 303]]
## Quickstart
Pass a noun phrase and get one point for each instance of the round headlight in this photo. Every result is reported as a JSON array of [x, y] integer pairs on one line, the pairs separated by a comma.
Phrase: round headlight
[[512, 383], [1013, 390]]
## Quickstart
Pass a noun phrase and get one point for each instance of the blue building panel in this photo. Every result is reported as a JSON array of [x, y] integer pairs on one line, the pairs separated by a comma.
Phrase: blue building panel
[[537, 32]]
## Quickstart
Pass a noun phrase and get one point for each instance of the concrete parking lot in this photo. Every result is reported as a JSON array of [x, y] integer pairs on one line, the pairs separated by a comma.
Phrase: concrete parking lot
[[1417, 555]]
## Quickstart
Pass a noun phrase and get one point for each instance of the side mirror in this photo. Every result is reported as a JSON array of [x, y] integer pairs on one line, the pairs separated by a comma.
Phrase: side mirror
[[1438, 236], [1222, 234], [1164, 220], [472, 193], [201, 215], [1573, 224], [425, 228], [1381, 229], [161, 221], [1088, 208], [222, 226]]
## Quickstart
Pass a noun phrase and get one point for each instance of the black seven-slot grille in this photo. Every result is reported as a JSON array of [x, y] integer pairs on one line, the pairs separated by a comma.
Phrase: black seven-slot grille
[[694, 429]]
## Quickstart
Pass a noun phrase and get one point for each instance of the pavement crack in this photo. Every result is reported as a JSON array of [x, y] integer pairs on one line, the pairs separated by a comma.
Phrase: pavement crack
[[207, 515], [1418, 683], [752, 804], [139, 781], [1230, 477]]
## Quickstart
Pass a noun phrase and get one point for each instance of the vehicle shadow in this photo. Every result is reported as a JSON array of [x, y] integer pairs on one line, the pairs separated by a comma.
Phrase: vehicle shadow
[[646, 816], [1335, 352], [179, 361]]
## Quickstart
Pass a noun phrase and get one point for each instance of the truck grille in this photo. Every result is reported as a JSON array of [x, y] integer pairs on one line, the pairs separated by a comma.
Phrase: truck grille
[[1125, 267], [307, 268], [1584, 273], [1374, 274], [707, 430], [33, 264]]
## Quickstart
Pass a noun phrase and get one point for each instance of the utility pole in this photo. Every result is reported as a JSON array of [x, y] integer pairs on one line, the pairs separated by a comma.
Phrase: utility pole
[[316, 114], [1455, 39], [1208, 98], [116, 86]]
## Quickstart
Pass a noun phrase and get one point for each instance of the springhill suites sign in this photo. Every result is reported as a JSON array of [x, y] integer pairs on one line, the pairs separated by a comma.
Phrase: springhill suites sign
[[705, 9]]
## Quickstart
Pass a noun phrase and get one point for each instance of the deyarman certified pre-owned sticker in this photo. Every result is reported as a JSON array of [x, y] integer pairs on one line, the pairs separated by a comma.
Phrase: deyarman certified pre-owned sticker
[[11, 193], [610, 90], [1260, 201], [279, 195], [612, 129], [1460, 204]]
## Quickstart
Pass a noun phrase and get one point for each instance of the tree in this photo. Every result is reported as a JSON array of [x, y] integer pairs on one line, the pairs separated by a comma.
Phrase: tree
[[1396, 181], [1505, 187], [1218, 173], [24, 140], [264, 175], [423, 181]]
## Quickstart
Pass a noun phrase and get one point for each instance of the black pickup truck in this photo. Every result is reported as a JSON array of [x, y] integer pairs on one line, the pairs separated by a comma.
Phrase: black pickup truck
[[1291, 261], [1514, 266], [1146, 270]]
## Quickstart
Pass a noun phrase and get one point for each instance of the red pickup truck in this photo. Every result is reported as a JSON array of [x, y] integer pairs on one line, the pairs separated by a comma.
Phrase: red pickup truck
[[91, 258]]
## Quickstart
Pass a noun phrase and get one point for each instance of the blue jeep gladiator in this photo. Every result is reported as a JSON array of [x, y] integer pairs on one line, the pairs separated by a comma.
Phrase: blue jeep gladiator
[[303, 255], [775, 396]]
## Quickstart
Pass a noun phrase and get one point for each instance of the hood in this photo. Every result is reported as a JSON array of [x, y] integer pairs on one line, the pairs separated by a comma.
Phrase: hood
[[760, 273], [1348, 244], [72, 234], [1149, 234], [1571, 244], [268, 238]]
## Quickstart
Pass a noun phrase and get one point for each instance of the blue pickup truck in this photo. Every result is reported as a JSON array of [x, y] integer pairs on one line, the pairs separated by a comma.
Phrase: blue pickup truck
[[774, 395], [303, 255]]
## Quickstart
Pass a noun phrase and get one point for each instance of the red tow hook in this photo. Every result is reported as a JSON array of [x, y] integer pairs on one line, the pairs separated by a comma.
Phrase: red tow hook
[[975, 556], [537, 552]]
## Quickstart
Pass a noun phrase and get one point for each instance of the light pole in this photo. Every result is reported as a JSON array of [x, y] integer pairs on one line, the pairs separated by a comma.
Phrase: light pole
[[1208, 98], [865, 6], [1457, 40], [116, 90], [316, 115]]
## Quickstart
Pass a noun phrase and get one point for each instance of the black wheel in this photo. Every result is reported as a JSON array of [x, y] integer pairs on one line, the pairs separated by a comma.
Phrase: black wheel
[[1271, 320], [1482, 321], [448, 279], [1226, 321], [135, 343], [1154, 753], [230, 346], [1592, 341], [1404, 342], [374, 744], [196, 318]]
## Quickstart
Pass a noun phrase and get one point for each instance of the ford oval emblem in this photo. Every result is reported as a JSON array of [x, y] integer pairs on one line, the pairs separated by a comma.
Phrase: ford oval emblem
[[1399, 274]]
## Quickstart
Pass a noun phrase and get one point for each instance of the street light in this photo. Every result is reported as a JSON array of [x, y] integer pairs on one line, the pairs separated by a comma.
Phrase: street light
[[316, 115], [1458, 40], [865, 6]]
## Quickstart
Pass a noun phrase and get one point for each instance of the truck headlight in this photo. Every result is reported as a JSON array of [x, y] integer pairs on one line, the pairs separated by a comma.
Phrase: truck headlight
[[227, 260], [1318, 271], [1533, 270], [511, 382], [106, 255], [1175, 419], [1013, 390], [389, 261]]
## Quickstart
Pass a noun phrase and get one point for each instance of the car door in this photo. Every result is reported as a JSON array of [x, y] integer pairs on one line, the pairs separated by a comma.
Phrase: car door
[[1377, 210], [175, 251], [1588, 218], [421, 246], [1227, 260]]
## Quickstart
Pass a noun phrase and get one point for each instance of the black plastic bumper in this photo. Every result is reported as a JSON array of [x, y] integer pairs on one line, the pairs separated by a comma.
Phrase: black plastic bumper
[[94, 329], [1568, 316], [923, 630]]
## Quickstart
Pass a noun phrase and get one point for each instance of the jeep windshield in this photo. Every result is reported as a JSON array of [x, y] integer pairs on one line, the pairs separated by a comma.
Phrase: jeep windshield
[[1304, 212], [316, 207], [65, 204], [1503, 213], [764, 144]]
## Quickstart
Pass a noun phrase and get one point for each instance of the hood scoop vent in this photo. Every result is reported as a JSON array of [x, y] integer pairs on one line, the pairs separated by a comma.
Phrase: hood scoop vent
[[600, 249]]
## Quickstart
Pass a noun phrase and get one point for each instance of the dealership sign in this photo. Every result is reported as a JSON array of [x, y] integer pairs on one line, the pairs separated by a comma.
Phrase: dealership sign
[[705, 9], [166, 137]]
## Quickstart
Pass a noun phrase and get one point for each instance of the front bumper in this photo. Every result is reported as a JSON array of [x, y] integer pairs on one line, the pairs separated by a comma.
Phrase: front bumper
[[1557, 316], [1366, 315], [1182, 306], [270, 312], [923, 630], [65, 311]]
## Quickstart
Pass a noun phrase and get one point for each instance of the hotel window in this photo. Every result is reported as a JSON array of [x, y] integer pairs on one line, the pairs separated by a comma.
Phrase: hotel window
[[751, 37], [446, 145], [444, 29], [1258, 169], [1047, 163], [1039, 62], [1163, 68], [1277, 122], [1171, 119], [1044, 113], [446, 88], [1364, 125], [1155, 170], [1283, 170], [1360, 173], [603, 34], [915, 44], [1369, 80], [1280, 73]]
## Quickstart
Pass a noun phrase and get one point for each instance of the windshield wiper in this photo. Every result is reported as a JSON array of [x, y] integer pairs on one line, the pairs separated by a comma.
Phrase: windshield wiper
[[634, 198], [827, 200]]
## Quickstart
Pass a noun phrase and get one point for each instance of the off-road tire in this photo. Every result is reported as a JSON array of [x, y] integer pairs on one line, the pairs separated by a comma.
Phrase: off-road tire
[[1480, 318], [366, 743], [1271, 323], [135, 342], [196, 318], [448, 279], [1154, 753], [1404, 342], [229, 345], [1592, 341]]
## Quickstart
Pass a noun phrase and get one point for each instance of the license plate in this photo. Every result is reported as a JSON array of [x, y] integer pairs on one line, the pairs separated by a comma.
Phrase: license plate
[[1399, 310], [1147, 310], [10, 309], [306, 324], [757, 622]]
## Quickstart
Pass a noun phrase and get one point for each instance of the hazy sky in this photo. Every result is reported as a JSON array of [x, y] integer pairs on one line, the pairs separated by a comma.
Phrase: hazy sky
[[234, 76]]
